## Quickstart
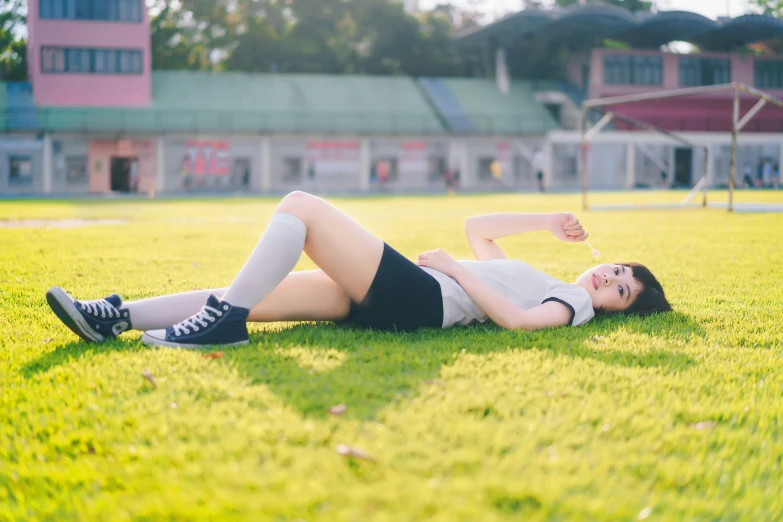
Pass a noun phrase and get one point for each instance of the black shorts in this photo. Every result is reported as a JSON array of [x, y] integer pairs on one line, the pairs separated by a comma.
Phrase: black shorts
[[402, 297]]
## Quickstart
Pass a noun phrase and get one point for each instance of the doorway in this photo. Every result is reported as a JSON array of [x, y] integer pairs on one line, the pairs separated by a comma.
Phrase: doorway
[[683, 167], [242, 172], [123, 177], [292, 170], [437, 169]]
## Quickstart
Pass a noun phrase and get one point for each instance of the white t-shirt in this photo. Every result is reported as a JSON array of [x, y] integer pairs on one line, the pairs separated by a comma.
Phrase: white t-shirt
[[522, 284]]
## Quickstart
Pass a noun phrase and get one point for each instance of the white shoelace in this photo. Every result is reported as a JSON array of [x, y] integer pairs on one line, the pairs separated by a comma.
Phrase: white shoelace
[[101, 306], [206, 314]]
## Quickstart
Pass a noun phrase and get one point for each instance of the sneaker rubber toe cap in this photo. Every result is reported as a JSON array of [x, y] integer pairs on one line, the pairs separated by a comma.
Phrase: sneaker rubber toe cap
[[154, 337]]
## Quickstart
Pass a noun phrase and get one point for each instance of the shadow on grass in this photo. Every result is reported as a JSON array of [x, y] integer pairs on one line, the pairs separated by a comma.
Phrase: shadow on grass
[[315, 366], [368, 370], [75, 350]]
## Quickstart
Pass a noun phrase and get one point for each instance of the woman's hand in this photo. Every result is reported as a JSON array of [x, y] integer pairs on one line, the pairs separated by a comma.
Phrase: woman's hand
[[440, 261], [566, 227]]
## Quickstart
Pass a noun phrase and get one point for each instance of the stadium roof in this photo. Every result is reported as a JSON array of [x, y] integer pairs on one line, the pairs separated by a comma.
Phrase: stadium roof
[[581, 25]]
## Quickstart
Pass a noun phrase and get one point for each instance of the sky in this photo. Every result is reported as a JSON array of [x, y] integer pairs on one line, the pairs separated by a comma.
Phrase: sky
[[710, 8]]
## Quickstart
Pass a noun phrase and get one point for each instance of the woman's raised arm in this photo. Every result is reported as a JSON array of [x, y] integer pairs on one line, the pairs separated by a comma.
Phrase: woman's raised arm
[[482, 231]]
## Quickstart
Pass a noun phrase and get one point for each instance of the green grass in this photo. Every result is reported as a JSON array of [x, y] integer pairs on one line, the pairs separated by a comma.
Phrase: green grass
[[671, 418]]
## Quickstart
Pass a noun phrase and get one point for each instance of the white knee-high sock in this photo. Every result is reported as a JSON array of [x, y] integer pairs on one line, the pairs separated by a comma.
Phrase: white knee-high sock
[[167, 310], [275, 255]]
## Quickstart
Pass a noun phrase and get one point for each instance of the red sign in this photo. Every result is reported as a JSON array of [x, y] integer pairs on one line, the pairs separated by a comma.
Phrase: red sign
[[208, 158], [333, 150], [333, 157], [413, 145], [333, 145]]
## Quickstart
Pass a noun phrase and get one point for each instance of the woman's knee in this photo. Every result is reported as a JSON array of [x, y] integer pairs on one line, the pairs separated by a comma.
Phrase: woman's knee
[[298, 203]]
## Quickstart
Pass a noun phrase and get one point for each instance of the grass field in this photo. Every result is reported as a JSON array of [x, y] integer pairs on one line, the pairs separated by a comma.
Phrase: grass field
[[675, 417]]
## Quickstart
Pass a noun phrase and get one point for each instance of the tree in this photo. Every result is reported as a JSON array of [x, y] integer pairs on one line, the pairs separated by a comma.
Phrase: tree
[[349, 36], [541, 60], [327, 36], [298, 36], [415, 45], [187, 34], [13, 47], [247, 56], [770, 7]]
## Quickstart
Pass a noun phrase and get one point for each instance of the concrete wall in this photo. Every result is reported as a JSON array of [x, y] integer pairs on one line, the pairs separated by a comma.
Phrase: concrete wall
[[82, 164], [67, 89], [254, 164], [607, 166]]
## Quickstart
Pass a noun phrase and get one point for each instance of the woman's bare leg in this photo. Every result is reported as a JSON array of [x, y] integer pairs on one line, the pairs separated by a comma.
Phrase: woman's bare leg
[[347, 252], [302, 296]]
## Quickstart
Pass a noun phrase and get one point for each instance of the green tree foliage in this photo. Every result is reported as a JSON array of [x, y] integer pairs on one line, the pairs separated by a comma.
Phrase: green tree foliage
[[327, 36], [771, 7], [13, 47], [180, 35]]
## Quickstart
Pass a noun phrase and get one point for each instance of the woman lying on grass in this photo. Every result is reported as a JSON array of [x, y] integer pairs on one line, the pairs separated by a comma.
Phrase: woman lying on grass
[[364, 282]]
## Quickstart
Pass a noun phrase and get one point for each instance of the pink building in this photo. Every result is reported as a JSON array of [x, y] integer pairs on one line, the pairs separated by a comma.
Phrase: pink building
[[96, 53], [634, 63], [89, 52], [612, 72]]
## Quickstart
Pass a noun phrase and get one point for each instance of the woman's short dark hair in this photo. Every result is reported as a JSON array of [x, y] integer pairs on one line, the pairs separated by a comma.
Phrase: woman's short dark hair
[[651, 299]]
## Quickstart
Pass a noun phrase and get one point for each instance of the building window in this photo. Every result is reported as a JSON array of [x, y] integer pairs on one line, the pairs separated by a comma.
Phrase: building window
[[91, 61], [77, 60], [769, 74], [292, 170], [20, 170], [76, 169], [52, 59], [633, 70], [104, 61], [106, 10], [696, 72], [126, 61]]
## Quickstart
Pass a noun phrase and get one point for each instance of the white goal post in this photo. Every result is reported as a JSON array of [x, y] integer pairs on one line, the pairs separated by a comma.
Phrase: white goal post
[[588, 132]]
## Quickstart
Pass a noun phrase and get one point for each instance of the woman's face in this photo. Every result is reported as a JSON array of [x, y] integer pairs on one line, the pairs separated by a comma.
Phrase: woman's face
[[611, 287]]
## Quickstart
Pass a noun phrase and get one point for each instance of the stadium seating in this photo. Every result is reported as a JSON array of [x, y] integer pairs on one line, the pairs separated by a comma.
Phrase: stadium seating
[[295, 102], [488, 110], [187, 102], [447, 105]]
